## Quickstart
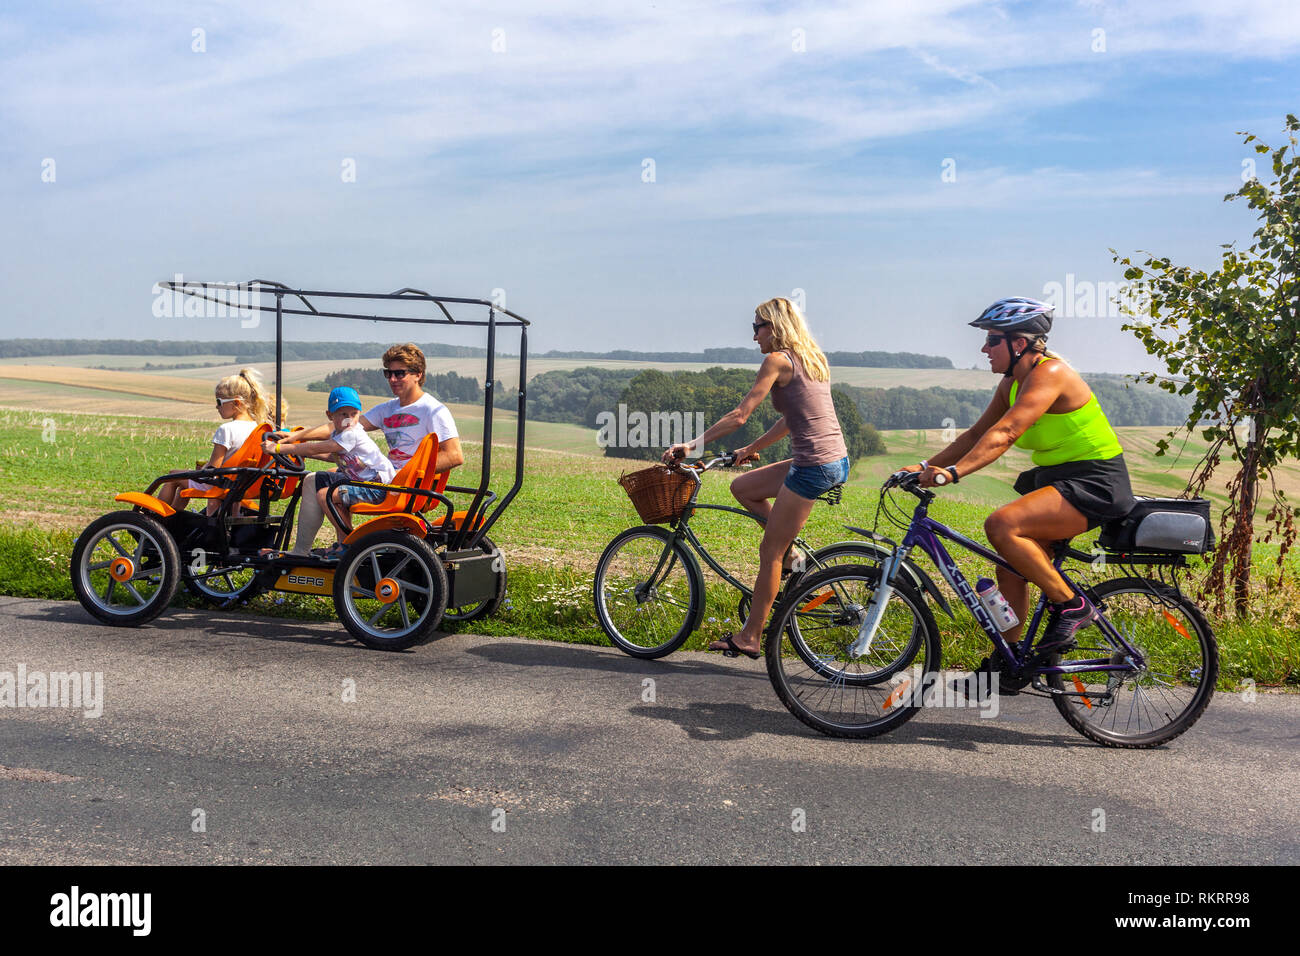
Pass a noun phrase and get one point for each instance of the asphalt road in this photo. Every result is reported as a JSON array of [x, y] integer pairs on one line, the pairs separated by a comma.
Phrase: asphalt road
[[491, 750]]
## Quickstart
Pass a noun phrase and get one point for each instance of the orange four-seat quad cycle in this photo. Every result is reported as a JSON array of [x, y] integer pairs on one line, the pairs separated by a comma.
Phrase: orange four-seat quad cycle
[[417, 561]]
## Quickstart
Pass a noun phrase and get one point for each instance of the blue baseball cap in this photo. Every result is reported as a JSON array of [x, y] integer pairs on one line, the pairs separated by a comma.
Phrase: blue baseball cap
[[344, 397]]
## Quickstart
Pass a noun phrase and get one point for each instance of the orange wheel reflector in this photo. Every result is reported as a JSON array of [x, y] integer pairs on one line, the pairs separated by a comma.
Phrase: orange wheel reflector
[[1175, 624], [387, 590], [897, 695], [818, 601], [121, 569], [1078, 685]]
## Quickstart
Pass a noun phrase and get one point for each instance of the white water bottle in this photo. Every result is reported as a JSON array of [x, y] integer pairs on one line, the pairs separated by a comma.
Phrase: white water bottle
[[1004, 619]]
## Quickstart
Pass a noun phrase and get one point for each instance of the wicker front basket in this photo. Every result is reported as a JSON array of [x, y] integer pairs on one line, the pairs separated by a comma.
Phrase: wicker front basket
[[659, 494]]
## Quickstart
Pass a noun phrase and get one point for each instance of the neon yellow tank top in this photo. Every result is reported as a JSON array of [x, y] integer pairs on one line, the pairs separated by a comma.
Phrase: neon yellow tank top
[[1081, 435]]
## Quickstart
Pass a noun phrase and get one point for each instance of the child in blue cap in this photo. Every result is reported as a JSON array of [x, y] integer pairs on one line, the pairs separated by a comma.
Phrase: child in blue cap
[[358, 458]]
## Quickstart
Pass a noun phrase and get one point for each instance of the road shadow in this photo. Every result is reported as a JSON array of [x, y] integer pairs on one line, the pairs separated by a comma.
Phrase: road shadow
[[217, 623], [593, 657]]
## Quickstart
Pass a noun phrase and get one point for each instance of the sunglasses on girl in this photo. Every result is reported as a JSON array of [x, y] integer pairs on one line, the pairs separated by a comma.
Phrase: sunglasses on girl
[[760, 325], [223, 401]]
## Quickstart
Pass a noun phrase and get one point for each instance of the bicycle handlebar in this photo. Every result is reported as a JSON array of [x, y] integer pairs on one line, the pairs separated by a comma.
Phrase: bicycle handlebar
[[725, 461], [909, 481]]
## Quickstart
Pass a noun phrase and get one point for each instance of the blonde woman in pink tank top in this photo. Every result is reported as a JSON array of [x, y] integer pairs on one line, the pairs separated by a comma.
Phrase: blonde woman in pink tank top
[[796, 373]]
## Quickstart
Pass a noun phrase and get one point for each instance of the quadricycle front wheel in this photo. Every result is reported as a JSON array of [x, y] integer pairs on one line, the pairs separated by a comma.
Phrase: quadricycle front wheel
[[125, 568], [835, 687]]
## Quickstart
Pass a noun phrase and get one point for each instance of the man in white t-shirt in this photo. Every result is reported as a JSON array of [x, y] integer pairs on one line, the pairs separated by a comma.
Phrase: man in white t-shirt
[[410, 415]]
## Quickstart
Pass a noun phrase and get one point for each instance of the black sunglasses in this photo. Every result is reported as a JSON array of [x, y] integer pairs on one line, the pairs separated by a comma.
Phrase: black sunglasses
[[760, 325], [993, 340], [396, 372]]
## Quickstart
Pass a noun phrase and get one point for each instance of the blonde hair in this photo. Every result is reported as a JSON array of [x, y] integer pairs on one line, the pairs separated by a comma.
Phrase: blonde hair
[[790, 331], [248, 388], [1038, 343]]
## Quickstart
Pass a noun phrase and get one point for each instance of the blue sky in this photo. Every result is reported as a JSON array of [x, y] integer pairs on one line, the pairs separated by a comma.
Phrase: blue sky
[[795, 146]]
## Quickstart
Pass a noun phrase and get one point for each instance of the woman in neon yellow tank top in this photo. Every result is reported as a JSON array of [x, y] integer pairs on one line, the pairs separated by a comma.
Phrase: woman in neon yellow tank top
[[1079, 480]]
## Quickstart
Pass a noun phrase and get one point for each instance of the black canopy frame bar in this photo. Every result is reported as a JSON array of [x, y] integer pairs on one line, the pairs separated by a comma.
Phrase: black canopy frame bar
[[470, 531]]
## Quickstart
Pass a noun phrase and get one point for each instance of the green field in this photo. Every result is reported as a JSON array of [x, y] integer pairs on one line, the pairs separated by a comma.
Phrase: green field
[[58, 471]]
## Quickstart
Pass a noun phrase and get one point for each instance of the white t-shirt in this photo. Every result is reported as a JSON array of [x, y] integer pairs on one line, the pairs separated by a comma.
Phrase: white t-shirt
[[232, 434], [361, 457], [406, 425]]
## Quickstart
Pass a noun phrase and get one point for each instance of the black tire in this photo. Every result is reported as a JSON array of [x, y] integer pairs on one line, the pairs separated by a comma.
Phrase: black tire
[[413, 607], [488, 607], [821, 683], [219, 585], [136, 591], [1154, 705], [647, 621]]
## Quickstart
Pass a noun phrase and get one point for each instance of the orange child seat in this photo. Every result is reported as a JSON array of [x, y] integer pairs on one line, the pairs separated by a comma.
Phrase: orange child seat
[[416, 473], [247, 455]]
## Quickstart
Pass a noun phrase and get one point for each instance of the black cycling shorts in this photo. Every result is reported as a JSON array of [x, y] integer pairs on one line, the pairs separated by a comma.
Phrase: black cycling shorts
[[1099, 489]]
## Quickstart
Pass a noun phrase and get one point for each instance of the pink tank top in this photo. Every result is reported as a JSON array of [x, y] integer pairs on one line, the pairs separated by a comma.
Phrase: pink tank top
[[809, 410]]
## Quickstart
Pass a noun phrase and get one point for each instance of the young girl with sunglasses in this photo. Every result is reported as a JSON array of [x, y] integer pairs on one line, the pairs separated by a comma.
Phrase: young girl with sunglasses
[[243, 403]]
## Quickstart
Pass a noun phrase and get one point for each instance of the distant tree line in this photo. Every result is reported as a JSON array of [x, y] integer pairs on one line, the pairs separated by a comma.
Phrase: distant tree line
[[243, 351], [316, 351], [444, 386], [581, 396], [639, 416], [754, 356], [1125, 403]]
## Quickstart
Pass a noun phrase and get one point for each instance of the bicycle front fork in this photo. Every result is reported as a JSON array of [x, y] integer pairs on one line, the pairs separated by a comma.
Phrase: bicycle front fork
[[876, 606]]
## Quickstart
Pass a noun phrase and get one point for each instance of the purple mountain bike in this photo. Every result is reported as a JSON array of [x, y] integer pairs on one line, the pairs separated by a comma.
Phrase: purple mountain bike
[[853, 651]]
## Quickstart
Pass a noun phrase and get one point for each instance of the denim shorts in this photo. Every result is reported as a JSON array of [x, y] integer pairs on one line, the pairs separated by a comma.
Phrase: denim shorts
[[813, 481], [349, 494]]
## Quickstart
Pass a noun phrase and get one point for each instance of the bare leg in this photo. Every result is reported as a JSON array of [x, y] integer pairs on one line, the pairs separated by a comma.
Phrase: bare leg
[[756, 488], [169, 492], [787, 518], [1022, 531], [343, 530], [310, 517]]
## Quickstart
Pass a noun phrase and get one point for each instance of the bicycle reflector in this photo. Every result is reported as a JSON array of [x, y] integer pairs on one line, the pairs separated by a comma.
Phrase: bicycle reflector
[[1175, 624], [897, 695], [819, 600]]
